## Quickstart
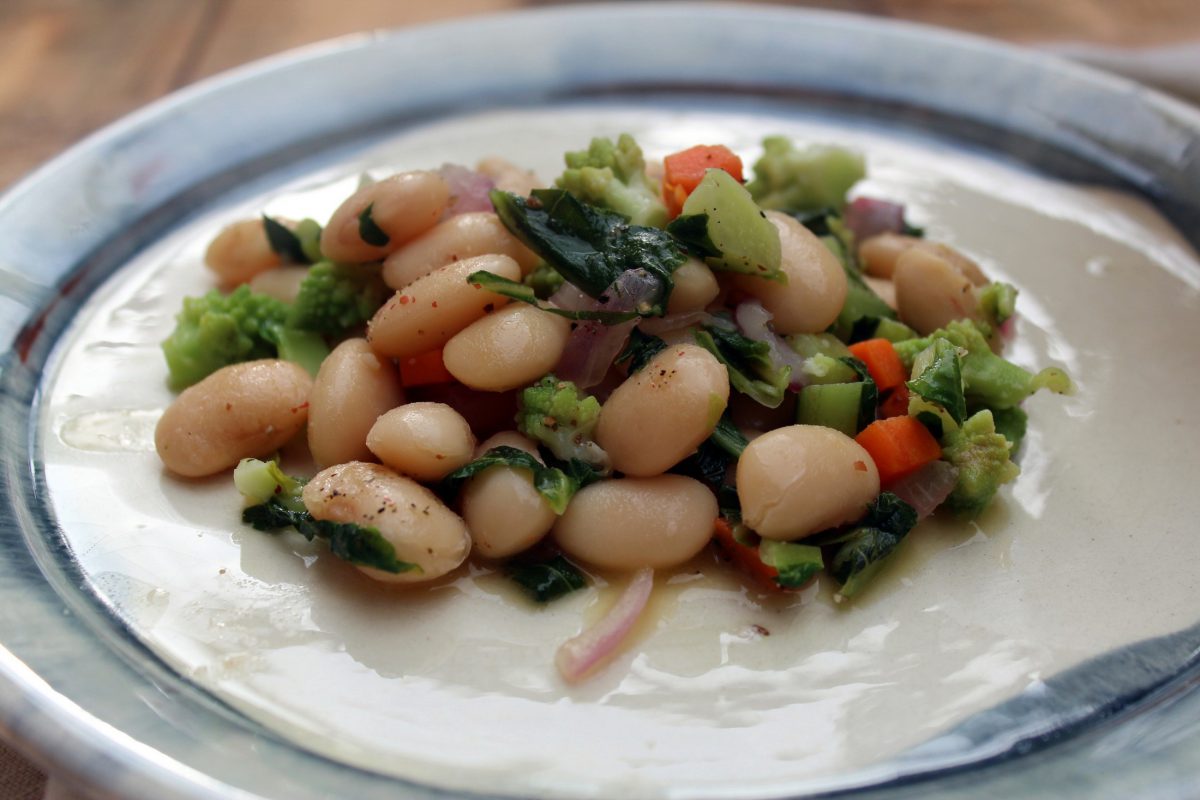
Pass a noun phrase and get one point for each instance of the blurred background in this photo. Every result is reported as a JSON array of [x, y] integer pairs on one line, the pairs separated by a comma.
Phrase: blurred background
[[69, 67]]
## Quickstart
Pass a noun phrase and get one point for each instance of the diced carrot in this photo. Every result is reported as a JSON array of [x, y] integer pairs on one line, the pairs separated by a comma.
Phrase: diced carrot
[[683, 171], [882, 362], [896, 403], [898, 446], [744, 557], [425, 369]]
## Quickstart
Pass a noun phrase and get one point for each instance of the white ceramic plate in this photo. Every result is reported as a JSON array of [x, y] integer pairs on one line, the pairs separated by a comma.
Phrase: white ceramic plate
[[203, 638]]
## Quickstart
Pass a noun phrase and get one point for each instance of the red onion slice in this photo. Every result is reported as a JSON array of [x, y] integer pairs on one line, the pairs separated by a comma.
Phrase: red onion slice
[[867, 217], [468, 190], [593, 345], [928, 487], [755, 323], [580, 655], [657, 326], [590, 351]]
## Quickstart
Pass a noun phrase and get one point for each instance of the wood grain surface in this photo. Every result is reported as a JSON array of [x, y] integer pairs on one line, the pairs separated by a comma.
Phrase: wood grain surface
[[68, 67]]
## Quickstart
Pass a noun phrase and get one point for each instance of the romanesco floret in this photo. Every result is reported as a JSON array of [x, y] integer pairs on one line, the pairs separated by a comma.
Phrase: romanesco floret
[[613, 176], [989, 380], [217, 330], [263, 482], [997, 302], [336, 297], [984, 463], [814, 178], [562, 418]]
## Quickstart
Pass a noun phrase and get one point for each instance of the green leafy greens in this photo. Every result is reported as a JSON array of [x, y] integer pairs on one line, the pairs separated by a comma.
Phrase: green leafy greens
[[751, 370], [547, 580], [555, 485]]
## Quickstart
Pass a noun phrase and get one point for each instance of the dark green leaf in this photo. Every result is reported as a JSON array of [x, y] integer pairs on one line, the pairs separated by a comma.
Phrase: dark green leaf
[[363, 546], [589, 246], [869, 402], [941, 382], [751, 370], [795, 563], [547, 580], [640, 348], [527, 294], [816, 221], [708, 464], [553, 484], [727, 437], [728, 504], [691, 230], [1011, 424], [863, 549], [370, 232], [284, 242], [354, 543]]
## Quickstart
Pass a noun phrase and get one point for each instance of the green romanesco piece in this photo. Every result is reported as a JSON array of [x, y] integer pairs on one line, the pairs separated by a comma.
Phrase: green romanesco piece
[[613, 176], [989, 380], [984, 462], [217, 330], [562, 418], [806, 179], [334, 298]]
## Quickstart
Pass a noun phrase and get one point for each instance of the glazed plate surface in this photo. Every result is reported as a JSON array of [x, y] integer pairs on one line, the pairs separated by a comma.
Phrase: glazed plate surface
[[1047, 644]]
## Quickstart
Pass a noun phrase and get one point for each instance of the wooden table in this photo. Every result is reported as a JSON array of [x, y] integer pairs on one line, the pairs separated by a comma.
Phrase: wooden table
[[68, 67]]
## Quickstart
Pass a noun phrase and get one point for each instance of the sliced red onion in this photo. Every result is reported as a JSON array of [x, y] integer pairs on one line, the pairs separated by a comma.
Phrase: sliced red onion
[[928, 487], [591, 349], [657, 326], [572, 298], [867, 217], [755, 323], [468, 190], [580, 655], [593, 346]]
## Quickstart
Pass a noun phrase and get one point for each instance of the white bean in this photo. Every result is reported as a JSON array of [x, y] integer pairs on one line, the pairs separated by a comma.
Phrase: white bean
[[695, 287], [402, 206], [353, 388], [426, 441], [240, 251], [241, 411], [428, 312], [282, 283], [503, 510], [931, 291], [509, 177], [420, 528], [477, 233], [511, 348], [798, 480], [630, 523], [664, 411], [816, 285]]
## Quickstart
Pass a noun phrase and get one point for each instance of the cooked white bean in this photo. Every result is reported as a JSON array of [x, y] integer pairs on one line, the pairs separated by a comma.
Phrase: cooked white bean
[[695, 287], [353, 388], [282, 283], [816, 283], [664, 411], [426, 441], [509, 177], [638, 522], [802, 479], [503, 511], [512, 347], [403, 206], [240, 251], [477, 233], [885, 289], [424, 315], [420, 528], [241, 411], [931, 291], [879, 255]]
